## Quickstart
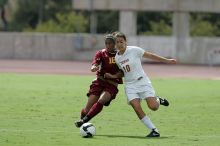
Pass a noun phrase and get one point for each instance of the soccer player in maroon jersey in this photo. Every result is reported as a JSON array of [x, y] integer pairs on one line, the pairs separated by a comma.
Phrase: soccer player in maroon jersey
[[102, 91]]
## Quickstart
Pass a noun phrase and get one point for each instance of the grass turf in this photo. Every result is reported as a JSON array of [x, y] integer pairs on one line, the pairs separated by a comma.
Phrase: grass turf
[[39, 110]]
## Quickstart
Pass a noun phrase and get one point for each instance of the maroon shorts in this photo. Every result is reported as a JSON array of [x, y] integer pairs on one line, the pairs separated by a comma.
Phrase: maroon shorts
[[98, 86]]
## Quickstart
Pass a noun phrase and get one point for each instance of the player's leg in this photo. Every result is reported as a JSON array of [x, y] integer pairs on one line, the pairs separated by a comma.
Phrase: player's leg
[[92, 99], [93, 96], [95, 91], [109, 93], [98, 106], [153, 103], [95, 109], [142, 116], [152, 100], [135, 103]]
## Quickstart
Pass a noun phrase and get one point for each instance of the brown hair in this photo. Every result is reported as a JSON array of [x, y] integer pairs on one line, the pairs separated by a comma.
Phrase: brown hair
[[119, 34]]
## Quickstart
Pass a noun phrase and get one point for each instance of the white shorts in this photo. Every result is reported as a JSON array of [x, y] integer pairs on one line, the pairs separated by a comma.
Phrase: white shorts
[[139, 91]]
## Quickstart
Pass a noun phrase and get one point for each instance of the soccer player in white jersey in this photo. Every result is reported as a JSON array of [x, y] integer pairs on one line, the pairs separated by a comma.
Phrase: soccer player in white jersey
[[137, 84]]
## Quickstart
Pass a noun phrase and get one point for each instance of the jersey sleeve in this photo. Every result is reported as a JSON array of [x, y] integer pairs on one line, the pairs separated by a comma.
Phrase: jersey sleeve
[[139, 52], [97, 58]]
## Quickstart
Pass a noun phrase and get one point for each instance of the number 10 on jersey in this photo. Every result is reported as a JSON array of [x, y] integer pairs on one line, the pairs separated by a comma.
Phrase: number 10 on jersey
[[126, 68]]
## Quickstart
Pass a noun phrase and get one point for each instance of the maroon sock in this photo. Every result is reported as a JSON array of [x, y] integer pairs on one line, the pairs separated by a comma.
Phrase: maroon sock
[[83, 113], [96, 108]]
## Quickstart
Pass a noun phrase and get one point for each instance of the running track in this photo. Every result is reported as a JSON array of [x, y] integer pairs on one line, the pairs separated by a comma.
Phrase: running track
[[83, 68]]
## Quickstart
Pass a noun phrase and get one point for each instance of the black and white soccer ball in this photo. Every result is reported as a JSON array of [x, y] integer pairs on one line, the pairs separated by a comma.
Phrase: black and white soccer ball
[[87, 130]]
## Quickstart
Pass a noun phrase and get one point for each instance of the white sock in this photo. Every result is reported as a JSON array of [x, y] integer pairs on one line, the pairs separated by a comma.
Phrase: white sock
[[147, 122]]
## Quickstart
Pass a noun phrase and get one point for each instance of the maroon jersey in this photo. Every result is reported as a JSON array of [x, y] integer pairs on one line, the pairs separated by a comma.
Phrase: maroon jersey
[[107, 64]]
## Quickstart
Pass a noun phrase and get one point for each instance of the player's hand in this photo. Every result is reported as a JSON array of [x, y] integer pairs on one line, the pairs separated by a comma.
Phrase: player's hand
[[108, 76], [94, 68], [172, 61]]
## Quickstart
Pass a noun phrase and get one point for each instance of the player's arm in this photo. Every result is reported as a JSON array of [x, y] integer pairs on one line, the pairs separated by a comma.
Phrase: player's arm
[[96, 62], [119, 74], [159, 58], [94, 67]]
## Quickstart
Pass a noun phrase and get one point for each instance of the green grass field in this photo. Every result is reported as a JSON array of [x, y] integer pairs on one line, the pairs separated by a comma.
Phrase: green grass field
[[39, 110]]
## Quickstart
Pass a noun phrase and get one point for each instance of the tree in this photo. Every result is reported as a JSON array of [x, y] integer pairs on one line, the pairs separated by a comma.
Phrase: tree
[[154, 23], [30, 13], [64, 22], [108, 21], [3, 18], [205, 24]]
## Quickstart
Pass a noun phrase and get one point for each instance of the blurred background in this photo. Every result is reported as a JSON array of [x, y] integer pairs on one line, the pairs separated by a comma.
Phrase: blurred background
[[74, 30]]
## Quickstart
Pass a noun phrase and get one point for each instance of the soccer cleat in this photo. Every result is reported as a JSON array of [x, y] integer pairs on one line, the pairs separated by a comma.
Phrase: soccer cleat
[[163, 101], [153, 133], [79, 123]]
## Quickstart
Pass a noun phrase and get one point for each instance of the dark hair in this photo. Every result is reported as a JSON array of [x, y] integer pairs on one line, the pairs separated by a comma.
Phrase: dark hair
[[119, 34], [111, 37]]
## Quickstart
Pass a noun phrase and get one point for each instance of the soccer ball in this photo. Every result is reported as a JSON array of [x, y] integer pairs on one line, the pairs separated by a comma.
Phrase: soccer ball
[[87, 130]]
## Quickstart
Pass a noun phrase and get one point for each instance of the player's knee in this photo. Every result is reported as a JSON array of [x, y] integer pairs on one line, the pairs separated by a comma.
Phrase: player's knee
[[153, 104], [107, 103], [153, 107], [105, 100]]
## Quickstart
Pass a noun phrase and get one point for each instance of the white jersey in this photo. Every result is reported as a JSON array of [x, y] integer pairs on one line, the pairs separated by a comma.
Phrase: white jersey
[[137, 84], [130, 63]]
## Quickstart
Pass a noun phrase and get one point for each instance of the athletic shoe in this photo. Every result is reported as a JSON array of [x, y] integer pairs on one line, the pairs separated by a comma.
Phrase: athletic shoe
[[153, 133], [163, 101], [79, 123]]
